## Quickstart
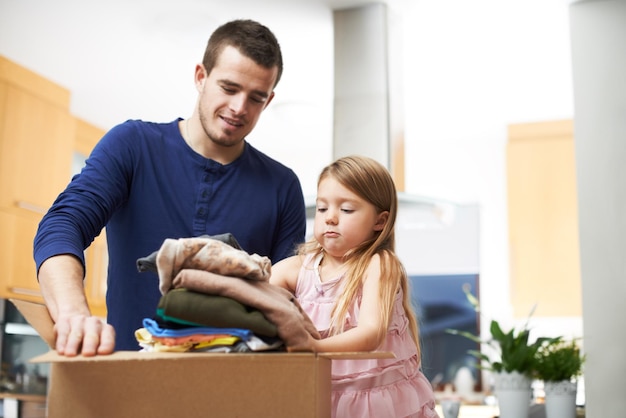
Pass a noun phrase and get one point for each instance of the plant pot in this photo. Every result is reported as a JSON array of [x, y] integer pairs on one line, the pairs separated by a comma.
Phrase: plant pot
[[514, 394], [560, 399]]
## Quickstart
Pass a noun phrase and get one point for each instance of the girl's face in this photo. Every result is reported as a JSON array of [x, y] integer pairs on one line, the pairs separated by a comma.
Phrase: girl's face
[[343, 220]]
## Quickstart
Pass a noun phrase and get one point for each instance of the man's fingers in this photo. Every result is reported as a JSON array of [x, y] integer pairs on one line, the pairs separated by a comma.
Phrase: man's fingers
[[86, 335], [74, 339], [99, 337], [61, 330], [91, 338], [107, 339]]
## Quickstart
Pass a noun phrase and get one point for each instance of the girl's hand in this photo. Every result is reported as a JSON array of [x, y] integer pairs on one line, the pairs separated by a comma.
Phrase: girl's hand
[[310, 346]]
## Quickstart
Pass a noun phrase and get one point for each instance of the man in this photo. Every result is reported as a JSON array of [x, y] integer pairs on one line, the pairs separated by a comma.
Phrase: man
[[148, 181]]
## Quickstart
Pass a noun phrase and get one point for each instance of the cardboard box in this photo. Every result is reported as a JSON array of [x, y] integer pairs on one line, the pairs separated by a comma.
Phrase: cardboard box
[[140, 384]]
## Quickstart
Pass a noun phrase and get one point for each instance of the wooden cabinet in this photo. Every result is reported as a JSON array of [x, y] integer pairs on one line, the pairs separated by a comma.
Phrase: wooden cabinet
[[19, 276], [543, 219], [36, 148], [38, 139], [97, 261]]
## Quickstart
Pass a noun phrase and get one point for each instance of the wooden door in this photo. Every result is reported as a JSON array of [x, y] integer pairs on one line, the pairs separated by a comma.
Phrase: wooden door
[[543, 219]]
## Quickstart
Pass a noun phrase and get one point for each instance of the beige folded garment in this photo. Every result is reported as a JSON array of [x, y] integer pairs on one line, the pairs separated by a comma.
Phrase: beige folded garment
[[207, 254]]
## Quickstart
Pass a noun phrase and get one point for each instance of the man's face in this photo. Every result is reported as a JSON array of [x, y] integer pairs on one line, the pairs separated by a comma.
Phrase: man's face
[[233, 96]]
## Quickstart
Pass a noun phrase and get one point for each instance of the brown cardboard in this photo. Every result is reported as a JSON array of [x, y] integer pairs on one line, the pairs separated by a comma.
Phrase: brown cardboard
[[141, 384], [38, 316]]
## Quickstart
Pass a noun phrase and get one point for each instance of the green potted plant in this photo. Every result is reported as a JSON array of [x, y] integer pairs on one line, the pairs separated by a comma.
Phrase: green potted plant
[[559, 360], [513, 365], [559, 363], [515, 352]]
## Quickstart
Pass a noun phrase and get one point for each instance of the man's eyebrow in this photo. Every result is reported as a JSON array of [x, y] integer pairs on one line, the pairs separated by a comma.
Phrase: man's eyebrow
[[230, 83]]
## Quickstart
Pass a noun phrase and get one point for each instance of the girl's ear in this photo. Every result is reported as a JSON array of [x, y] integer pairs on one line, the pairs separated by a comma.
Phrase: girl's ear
[[381, 220]]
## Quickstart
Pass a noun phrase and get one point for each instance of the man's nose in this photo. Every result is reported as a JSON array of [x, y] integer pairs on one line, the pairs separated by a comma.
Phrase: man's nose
[[238, 104]]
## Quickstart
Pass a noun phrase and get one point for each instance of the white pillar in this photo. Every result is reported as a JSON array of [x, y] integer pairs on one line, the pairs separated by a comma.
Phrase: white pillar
[[361, 122], [598, 36]]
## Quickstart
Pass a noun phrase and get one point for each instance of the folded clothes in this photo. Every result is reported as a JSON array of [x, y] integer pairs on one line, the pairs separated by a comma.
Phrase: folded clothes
[[207, 254], [278, 305], [156, 330], [187, 307], [205, 343], [149, 342], [213, 267], [254, 344], [148, 263]]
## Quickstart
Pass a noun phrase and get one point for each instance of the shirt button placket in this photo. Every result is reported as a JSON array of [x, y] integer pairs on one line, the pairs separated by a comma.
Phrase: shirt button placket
[[202, 204]]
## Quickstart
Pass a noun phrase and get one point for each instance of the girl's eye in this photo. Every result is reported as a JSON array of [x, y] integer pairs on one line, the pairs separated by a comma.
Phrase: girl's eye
[[321, 210], [347, 210]]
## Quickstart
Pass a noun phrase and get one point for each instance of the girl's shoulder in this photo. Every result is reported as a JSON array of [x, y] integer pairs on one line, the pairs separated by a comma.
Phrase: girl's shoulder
[[384, 263], [384, 256], [285, 272], [375, 262], [292, 262]]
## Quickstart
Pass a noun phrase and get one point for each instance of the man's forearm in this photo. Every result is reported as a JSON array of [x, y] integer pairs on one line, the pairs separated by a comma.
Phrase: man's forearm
[[61, 282]]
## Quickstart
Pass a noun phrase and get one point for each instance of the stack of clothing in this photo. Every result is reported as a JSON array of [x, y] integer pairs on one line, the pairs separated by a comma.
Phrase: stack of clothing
[[217, 297]]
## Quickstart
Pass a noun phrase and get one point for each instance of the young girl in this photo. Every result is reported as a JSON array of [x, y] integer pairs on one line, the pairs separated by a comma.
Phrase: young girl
[[352, 285]]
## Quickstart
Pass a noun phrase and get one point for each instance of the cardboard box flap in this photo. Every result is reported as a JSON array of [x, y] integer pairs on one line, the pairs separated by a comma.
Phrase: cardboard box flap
[[53, 357], [38, 316]]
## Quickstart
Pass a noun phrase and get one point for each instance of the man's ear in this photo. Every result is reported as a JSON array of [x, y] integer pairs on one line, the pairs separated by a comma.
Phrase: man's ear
[[381, 220], [269, 99], [200, 76]]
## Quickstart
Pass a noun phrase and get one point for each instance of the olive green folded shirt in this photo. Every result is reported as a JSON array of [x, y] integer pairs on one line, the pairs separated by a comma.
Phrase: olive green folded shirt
[[187, 307]]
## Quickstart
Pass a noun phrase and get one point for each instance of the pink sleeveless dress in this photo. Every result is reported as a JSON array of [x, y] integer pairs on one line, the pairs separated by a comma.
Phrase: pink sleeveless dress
[[371, 388]]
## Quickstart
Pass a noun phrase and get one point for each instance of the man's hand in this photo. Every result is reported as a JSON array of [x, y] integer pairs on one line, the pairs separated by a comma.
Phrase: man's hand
[[76, 330], [86, 335]]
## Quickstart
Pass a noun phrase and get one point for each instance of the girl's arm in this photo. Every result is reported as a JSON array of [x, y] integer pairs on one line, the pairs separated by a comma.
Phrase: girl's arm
[[366, 336], [285, 273]]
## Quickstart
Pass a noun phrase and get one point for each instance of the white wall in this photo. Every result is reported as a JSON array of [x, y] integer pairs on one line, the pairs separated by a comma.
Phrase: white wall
[[471, 69]]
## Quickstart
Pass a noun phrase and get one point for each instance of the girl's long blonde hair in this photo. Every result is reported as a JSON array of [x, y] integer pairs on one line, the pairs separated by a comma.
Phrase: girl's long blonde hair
[[372, 182]]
